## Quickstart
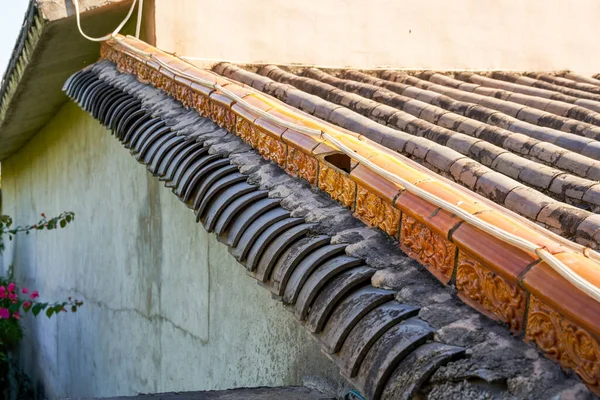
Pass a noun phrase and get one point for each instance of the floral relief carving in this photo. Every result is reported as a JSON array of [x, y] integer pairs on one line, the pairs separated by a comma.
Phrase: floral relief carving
[[270, 147], [155, 77], [428, 248], [490, 293], [201, 104], [184, 94], [246, 131], [565, 342], [302, 165], [339, 186], [144, 73], [373, 210], [223, 117]]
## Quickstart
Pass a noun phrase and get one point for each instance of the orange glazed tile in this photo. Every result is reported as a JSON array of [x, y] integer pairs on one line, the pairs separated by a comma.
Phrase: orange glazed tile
[[439, 221], [269, 127], [513, 226], [297, 117], [564, 341], [429, 248], [393, 165], [453, 196], [203, 90], [357, 146], [323, 149], [551, 288], [493, 254], [201, 75], [562, 320], [302, 165], [424, 235], [337, 184], [249, 115], [153, 64], [375, 211], [489, 293], [138, 44], [178, 64], [246, 131], [270, 147], [238, 89], [375, 183], [219, 98], [300, 141]]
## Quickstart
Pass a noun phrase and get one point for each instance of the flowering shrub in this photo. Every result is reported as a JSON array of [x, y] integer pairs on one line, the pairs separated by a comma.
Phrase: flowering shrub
[[15, 301]]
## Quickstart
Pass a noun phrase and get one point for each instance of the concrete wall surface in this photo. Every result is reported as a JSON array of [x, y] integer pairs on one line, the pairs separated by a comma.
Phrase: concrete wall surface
[[167, 308], [413, 34]]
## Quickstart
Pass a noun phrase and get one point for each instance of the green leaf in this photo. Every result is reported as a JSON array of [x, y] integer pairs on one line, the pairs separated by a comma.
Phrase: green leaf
[[36, 309], [49, 312], [63, 223], [13, 307]]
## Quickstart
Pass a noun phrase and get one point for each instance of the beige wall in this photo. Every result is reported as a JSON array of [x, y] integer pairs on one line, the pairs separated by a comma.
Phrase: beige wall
[[167, 308], [436, 34]]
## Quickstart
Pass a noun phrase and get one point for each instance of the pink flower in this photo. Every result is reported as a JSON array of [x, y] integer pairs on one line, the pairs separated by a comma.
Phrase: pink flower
[[24, 290], [26, 305], [11, 287], [2, 292], [16, 315], [4, 313], [13, 297], [34, 295]]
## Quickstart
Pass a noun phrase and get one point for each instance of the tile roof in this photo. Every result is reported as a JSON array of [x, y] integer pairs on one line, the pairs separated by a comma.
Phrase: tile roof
[[314, 256], [548, 176], [491, 272]]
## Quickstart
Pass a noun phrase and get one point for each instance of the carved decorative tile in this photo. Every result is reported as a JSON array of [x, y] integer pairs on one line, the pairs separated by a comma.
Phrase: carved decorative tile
[[565, 342], [270, 147], [130, 64], [184, 94], [302, 165], [339, 186], [489, 293], [201, 104], [223, 117], [246, 131], [155, 77], [372, 210], [144, 73], [427, 247]]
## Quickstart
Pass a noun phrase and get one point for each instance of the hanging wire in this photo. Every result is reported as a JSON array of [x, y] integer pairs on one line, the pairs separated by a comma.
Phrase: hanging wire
[[115, 32]]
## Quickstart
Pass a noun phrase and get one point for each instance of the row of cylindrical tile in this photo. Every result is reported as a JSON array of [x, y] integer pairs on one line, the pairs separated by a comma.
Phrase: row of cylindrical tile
[[537, 117], [565, 125], [565, 219], [555, 182], [546, 89], [499, 280], [588, 86], [363, 329], [499, 124], [555, 104]]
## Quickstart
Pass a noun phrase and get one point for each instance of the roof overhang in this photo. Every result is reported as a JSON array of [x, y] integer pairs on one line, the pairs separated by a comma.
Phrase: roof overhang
[[48, 50]]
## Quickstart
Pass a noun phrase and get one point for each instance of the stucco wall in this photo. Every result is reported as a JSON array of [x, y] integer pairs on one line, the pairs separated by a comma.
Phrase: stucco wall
[[437, 34], [166, 306]]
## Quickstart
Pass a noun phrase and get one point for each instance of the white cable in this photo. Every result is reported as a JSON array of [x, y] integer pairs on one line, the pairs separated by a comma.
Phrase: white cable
[[138, 26], [574, 278], [105, 37]]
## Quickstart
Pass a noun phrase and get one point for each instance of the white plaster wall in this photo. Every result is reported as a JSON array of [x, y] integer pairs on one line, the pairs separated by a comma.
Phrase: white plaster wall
[[166, 307], [413, 34]]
